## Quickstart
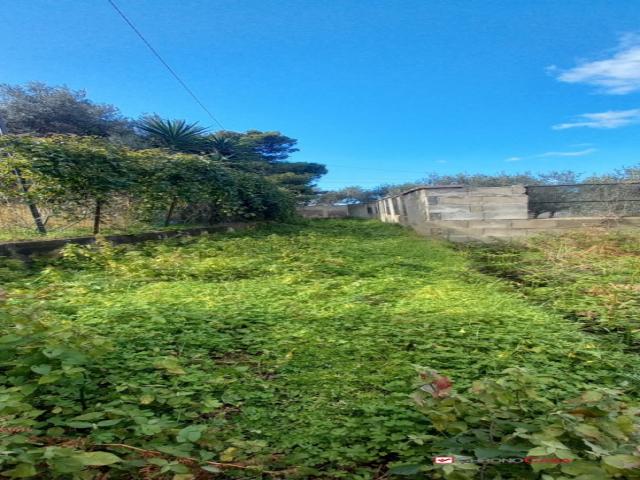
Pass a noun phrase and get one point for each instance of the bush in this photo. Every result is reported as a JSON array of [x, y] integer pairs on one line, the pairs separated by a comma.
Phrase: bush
[[516, 417], [75, 173]]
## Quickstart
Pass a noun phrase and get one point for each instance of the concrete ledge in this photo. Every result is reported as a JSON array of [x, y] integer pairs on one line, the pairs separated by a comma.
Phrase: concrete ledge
[[31, 247], [495, 223], [510, 200], [534, 223]]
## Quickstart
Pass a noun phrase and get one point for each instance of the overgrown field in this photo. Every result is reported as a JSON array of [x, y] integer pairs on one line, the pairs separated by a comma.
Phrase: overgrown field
[[591, 277], [291, 352]]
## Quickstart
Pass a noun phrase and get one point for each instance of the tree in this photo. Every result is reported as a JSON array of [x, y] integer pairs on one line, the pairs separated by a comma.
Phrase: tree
[[15, 186], [266, 153], [38, 109], [68, 168], [175, 180], [174, 135], [346, 196]]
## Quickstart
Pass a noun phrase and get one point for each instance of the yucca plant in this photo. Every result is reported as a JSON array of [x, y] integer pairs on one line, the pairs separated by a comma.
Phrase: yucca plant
[[175, 135], [223, 146]]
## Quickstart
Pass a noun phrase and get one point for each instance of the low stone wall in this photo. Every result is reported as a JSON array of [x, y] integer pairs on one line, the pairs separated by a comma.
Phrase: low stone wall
[[498, 230], [324, 211], [31, 247]]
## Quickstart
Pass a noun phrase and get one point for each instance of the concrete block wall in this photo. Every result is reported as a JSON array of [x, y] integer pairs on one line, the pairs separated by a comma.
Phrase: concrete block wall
[[463, 214], [481, 203], [422, 204], [324, 211]]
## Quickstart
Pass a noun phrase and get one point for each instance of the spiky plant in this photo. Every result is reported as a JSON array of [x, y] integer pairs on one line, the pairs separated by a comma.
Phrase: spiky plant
[[176, 135], [222, 145]]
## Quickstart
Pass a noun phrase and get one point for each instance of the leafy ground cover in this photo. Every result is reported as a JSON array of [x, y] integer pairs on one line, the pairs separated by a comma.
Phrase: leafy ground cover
[[291, 352]]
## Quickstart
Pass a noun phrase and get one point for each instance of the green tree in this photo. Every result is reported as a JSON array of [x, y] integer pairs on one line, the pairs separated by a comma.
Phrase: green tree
[[347, 195], [39, 109], [266, 154], [68, 168], [178, 180]]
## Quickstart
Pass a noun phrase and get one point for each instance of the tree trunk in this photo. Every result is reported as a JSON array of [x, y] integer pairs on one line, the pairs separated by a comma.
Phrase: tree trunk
[[167, 219], [33, 208], [212, 216], [96, 217]]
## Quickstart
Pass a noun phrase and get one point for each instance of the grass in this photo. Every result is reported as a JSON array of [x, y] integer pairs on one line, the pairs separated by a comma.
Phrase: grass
[[291, 346], [591, 277]]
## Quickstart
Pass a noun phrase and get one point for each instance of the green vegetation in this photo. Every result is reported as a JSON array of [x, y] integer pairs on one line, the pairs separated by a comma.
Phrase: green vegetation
[[67, 159], [290, 352], [71, 175], [589, 277]]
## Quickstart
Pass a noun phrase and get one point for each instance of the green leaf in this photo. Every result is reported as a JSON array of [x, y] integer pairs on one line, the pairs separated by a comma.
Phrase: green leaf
[[488, 452], [624, 462], [170, 364], [23, 470], [49, 378], [407, 469], [80, 424], [191, 433], [538, 452], [98, 459], [41, 369], [581, 467], [89, 416], [588, 431], [109, 423]]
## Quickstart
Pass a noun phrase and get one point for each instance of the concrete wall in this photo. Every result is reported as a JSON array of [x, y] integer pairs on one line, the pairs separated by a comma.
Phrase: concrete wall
[[447, 203], [463, 214], [324, 211]]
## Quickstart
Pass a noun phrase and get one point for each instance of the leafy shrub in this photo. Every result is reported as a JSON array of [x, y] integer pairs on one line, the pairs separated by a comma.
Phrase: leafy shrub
[[74, 174], [61, 416], [592, 437]]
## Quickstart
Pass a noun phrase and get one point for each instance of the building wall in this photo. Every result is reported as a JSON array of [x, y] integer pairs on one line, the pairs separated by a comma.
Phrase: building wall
[[447, 203], [324, 211], [464, 214]]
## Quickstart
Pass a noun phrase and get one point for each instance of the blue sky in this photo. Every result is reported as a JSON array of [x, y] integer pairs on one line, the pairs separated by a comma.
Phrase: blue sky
[[379, 91]]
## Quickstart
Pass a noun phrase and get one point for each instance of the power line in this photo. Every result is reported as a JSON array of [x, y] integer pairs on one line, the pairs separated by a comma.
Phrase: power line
[[162, 60]]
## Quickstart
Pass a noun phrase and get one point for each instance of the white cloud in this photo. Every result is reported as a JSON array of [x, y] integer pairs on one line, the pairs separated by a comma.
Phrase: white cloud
[[441, 161], [578, 153], [569, 153], [617, 75], [610, 119]]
